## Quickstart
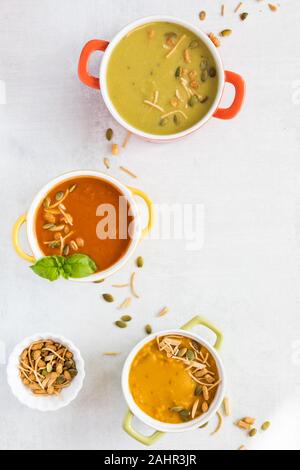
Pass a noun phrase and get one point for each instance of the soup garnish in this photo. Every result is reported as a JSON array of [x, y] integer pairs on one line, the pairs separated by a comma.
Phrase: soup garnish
[[174, 379], [162, 78]]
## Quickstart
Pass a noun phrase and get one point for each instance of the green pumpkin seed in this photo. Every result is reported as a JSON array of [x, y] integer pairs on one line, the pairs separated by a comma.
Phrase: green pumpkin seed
[[243, 16], [44, 372], [178, 72], [54, 244], [177, 409], [72, 188], [203, 64], [163, 121], [252, 432], [109, 134], [193, 100], [184, 414], [196, 345], [68, 364], [126, 318], [140, 262], [47, 202], [204, 76], [148, 329], [212, 72], [60, 380], [198, 390], [176, 119], [73, 372], [59, 195], [190, 355], [66, 250], [99, 281], [193, 44], [48, 226], [226, 32], [265, 425], [120, 324], [203, 425], [203, 99], [108, 297]]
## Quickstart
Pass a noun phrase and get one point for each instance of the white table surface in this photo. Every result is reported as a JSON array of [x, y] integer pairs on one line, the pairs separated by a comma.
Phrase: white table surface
[[244, 172]]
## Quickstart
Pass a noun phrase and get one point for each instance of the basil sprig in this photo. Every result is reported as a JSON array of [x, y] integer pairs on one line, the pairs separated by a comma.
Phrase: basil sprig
[[75, 266]]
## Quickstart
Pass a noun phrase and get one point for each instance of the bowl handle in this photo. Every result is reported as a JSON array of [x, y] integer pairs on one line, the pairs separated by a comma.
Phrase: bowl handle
[[150, 206], [146, 440], [202, 321], [88, 49], [240, 88], [15, 239]]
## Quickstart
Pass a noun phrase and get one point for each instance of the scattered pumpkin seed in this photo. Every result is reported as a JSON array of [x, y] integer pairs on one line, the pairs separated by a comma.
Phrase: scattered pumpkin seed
[[72, 188], [204, 425], [44, 372], [99, 281], [204, 75], [163, 121], [252, 432], [126, 318], [198, 390], [265, 425], [176, 119], [120, 324], [177, 409], [140, 261], [108, 297], [109, 134], [212, 72], [203, 99], [60, 380], [184, 414], [73, 372], [202, 15], [194, 44], [69, 364], [225, 32], [243, 16], [195, 345], [148, 329], [190, 354], [178, 72], [193, 100], [47, 202], [59, 195]]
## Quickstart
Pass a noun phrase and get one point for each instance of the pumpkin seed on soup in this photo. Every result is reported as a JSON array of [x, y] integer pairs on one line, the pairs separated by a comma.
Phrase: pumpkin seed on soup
[[59, 195], [190, 354], [163, 121], [176, 409], [204, 75], [198, 390], [176, 119], [212, 72], [178, 72], [47, 202], [203, 64], [184, 414], [193, 100], [193, 44]]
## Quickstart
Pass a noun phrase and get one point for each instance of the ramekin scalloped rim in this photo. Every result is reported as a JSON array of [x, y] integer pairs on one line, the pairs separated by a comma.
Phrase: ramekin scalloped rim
[[25, 395]]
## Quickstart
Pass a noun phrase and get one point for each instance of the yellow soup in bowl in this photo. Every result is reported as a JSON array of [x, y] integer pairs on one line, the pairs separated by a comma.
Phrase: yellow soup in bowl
[[174, 379], [161, 78]]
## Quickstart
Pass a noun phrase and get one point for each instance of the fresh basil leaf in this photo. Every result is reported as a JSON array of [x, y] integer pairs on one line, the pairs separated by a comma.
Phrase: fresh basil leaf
[[47, 268], [79, 265]]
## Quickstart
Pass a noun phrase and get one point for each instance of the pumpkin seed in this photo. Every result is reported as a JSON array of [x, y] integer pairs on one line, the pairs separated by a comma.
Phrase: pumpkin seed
[[194, 44], [99, 281], [140, 262], [108, 297], [265, 425], [171, 35], [195, 345], [212, 72], [126, 318], [73, 372], [120, 324], [48, 226], [66, 250], [252, 432], [55, 244], [148, 329], [204, 76], [60, 380], [203, 99], [190, 355], [184, 414], [109, 134], [178, 72], [68, 364], [226, 32], [193, 100], [243, 16], [163, 121], [47, 202], [44, 372], [203, 425], [59, 195], [56, 228], [198, 390], [182, 352], [177, 409], [176, 119], [72, 188], [203, 64]]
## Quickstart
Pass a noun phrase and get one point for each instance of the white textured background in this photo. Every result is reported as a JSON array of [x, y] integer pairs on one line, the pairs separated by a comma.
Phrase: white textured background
[[245, 172]]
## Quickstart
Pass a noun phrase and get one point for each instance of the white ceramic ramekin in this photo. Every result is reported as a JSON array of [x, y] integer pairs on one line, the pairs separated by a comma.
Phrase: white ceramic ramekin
[[159, 426], [25, 395], [101, 81], [130, 194]]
